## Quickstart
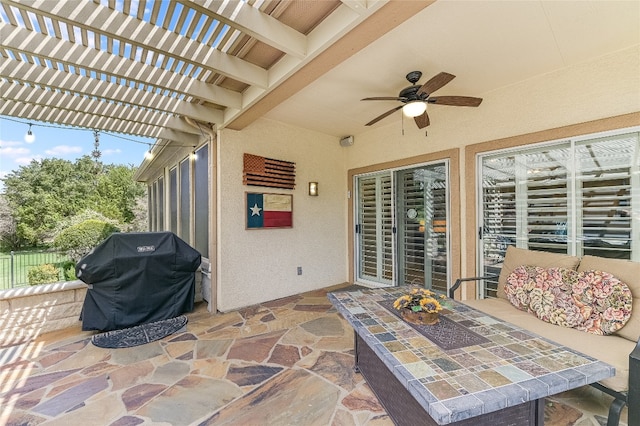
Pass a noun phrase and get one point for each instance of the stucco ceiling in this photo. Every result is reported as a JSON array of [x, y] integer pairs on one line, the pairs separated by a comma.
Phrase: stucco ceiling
[[486, 44], [160, 69]]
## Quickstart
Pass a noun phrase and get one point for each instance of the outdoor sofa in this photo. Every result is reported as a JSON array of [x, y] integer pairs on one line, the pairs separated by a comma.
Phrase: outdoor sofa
[[620, 349]]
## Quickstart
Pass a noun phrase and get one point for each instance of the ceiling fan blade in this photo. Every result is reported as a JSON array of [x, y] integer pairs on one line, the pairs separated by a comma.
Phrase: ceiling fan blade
[[435, 83], [384, 98], [386, 114], [455, 101], [422, 120]]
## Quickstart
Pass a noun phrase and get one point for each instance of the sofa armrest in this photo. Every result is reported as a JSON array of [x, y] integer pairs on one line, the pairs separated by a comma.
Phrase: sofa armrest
[[459, 281], [633, 396]]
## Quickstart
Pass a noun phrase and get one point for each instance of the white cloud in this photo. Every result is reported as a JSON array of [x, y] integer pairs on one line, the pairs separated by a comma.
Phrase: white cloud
[[111, 151], [13, 151], [23, 161], [64, 150], [9, 143]]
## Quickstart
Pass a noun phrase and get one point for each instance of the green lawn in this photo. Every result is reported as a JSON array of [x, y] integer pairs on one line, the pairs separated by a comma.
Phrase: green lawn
[[22, 262]]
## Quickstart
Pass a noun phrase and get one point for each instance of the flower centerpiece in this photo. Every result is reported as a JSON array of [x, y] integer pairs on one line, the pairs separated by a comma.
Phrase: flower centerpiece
[[420, 306]]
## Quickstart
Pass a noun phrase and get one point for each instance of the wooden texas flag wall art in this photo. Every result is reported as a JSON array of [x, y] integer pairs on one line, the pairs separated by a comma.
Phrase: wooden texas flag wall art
[[269, 210]]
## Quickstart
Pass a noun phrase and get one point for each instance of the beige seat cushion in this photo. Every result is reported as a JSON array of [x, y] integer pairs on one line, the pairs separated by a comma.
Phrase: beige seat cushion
[[517, 257], [628, 272], [611, 349]]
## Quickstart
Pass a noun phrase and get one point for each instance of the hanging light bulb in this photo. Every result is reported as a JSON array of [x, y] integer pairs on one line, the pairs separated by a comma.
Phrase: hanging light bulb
[[29, 137], [148, 155], [414, 108]]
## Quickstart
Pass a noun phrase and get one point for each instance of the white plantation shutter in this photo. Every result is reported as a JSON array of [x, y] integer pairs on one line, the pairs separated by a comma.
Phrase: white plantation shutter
[[375, 228], [546, 191], [573, 197], [606, 182], [422, 250]]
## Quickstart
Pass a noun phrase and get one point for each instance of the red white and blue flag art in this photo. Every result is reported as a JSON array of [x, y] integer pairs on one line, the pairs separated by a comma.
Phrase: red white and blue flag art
[[269, 210]]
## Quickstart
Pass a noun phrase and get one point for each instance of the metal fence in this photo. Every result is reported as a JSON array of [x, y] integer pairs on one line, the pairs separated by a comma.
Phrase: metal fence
[[15, 266]]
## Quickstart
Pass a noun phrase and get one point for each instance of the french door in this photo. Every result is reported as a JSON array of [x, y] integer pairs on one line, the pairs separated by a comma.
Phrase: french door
[[401, 227]]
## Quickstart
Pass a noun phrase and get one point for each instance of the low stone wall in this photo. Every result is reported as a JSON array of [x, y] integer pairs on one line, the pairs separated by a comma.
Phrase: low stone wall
[[28, 312]]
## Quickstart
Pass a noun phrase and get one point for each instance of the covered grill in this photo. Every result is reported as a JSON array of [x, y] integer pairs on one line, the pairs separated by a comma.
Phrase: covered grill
[[137, 278]]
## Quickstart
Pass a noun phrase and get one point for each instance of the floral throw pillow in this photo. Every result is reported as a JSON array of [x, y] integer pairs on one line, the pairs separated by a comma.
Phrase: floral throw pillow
[[591, 301]]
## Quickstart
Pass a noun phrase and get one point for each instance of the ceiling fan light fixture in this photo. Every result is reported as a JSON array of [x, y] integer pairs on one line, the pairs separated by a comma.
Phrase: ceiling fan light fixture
[[414, 108]]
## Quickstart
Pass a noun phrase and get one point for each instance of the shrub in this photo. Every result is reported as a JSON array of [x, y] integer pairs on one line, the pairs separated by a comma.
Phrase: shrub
[[78, 240], [69, 270], [43, 274]]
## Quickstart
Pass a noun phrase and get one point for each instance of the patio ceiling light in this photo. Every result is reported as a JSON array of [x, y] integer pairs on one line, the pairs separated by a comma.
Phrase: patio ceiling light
[[414, 108], [29, 137]]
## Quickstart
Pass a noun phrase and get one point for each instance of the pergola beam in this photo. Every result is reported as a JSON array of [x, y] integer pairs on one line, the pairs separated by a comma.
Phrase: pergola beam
[[259, 25], [70, 110], [96, 18], [39, 45], [89, 87]]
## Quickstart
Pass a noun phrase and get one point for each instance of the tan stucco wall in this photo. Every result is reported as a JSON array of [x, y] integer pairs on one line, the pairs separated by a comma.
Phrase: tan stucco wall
[[259, 265], [606, 87]]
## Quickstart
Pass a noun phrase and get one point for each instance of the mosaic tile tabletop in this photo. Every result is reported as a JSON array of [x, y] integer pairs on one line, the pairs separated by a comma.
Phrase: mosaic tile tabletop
[[511, 367]]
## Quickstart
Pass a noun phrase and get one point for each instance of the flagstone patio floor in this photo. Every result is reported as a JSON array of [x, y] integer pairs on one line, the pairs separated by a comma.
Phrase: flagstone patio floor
[[286, 362]]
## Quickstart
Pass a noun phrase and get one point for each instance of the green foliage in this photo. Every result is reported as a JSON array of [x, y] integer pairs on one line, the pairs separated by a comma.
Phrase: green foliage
[[48, 192], [117, 193], [9, 238], [78, 240], [69, 270], [83, 216], [43, 274]]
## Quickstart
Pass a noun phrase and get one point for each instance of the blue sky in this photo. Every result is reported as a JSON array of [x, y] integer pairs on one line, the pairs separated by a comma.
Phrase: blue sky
[[67, 143]]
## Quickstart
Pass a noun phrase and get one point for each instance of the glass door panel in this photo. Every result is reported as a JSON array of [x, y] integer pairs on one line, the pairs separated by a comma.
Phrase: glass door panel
[[375, 229], [401, 227], [422, 200]]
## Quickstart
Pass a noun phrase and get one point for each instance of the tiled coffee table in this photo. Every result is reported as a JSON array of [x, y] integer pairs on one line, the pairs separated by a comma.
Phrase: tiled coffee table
[[472, 369]]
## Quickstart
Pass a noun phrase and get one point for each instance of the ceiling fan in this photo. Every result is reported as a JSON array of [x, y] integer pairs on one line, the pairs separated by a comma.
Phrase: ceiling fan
[[416, 97]]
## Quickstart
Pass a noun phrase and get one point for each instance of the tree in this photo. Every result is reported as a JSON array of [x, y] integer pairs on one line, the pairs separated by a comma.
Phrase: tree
[[46, 192], [117, 193], [78, 240], [9, 239], [43, 192]]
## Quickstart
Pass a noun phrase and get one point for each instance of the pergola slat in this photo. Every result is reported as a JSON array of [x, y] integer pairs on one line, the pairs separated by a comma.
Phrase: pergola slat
[[154, 67], [17, 39]]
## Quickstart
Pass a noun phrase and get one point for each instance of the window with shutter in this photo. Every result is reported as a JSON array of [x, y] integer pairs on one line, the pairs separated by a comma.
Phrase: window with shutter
[[160, 205], [173, 200], [185, 201], [201, 200], [574, 197]]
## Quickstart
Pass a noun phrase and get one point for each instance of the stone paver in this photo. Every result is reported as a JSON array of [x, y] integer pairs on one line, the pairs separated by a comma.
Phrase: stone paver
[[285, 362]]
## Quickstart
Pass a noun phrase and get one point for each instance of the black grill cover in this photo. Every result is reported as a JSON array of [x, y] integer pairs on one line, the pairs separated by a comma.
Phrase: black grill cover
[[137, 278]]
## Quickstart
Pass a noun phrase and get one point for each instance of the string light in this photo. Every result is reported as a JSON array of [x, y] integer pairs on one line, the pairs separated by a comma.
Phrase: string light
[[29, 137]]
